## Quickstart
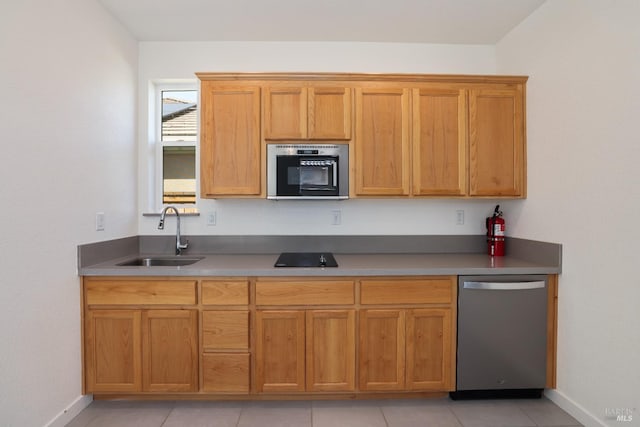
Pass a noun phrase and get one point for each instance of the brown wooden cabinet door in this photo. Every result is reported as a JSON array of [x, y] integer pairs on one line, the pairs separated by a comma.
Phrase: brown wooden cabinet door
[[439, 142], [225, 329], [304, 292], [329, 114], [429, 349], [280, 350], [297, 113], [382, 350], [382, 142], [496, 142], [226, 372], [225, 341], [331, 348], [285, 113], [147, 291], [230, 151], [170, 350], [112, 351], [225, 292]]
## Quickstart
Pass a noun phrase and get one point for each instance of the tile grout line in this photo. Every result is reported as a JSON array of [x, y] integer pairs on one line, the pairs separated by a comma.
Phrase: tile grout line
[[383, 415], [527, 415], [242, 408], [450, 408], [518, 404], [173, 406]]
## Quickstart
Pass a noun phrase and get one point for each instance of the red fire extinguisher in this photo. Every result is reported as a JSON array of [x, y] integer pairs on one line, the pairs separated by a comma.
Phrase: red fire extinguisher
[[495, 233]]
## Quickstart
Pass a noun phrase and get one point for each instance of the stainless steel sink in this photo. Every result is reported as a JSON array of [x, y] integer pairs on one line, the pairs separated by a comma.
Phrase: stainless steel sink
[[160, 261]]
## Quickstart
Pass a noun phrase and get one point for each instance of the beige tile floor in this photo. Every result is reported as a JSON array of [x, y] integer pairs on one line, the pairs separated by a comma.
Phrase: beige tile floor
[[364, 413]]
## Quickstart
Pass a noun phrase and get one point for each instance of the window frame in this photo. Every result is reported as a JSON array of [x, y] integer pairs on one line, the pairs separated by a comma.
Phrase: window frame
[[157, 187]]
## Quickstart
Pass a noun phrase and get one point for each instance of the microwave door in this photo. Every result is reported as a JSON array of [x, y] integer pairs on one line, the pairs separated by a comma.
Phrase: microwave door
[[319, 177]]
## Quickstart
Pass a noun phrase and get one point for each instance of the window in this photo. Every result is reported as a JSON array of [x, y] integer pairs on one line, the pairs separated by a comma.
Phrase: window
[[179, 115], [178, 174], [176, 148]]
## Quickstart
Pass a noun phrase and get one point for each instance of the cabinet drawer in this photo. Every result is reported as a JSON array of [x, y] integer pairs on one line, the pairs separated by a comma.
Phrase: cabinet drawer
[[225, 372], [225, 329], [228, 292], [150, 292], [305, 293], [419, 291]]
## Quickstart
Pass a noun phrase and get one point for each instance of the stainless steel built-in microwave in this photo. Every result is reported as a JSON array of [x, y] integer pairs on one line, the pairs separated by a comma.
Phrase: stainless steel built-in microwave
[[308, 171]]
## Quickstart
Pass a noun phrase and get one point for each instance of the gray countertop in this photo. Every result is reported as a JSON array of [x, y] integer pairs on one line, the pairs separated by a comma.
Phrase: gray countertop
[[396, 264], [356, 256]]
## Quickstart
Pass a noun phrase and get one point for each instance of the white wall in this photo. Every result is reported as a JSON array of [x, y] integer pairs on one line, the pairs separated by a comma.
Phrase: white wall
[[180, 60], [67, 119], [583, 59]]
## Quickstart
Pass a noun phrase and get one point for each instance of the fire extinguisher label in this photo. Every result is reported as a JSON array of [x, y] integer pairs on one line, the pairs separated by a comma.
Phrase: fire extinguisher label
[[498, 230]]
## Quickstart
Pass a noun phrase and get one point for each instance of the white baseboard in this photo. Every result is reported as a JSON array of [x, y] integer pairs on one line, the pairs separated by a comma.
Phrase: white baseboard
[[577, 411], [64, 417]]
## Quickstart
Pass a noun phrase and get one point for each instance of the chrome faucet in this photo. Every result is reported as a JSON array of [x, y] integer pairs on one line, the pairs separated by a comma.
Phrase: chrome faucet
[[179, 245]]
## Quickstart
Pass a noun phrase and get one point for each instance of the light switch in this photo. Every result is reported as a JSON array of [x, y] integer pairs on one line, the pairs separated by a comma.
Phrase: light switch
[[211, 218], [100, 221], [336, 217]]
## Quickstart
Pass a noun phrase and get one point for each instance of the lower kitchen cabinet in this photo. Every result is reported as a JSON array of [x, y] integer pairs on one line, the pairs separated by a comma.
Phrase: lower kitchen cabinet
[[225, 344], [429, 355], [141, 350], [280, 350], [405, 349], [225, 330], [113, 362], [273, 336], [305, 350], [330, 350], [406, 341], [170, 350], [140, 335], [225, 372], [382, 342]]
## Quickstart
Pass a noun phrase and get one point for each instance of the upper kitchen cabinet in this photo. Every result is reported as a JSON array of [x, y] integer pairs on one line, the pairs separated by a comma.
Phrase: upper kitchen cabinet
[[307, 113], [230, 149], [497, 141], [439, 141], [329, 113], [285, 113], [414, 135], [382, 142]]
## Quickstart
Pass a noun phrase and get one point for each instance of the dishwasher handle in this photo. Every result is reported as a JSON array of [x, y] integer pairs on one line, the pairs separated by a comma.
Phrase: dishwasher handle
[[504, 286]]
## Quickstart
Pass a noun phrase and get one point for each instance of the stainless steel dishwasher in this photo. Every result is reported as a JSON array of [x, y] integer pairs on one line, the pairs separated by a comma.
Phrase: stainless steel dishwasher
[[502, 336]]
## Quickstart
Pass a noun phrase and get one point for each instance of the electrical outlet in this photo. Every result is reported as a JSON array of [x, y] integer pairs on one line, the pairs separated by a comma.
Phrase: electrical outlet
[[212, 218], [460, 217], [336, 217], [100, 221]]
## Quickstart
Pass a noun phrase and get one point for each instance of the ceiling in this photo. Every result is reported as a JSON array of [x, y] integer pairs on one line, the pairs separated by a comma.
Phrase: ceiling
[[406, 21]]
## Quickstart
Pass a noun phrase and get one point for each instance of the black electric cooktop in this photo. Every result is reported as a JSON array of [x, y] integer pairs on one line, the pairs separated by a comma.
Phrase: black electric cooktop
[[306, 259]]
